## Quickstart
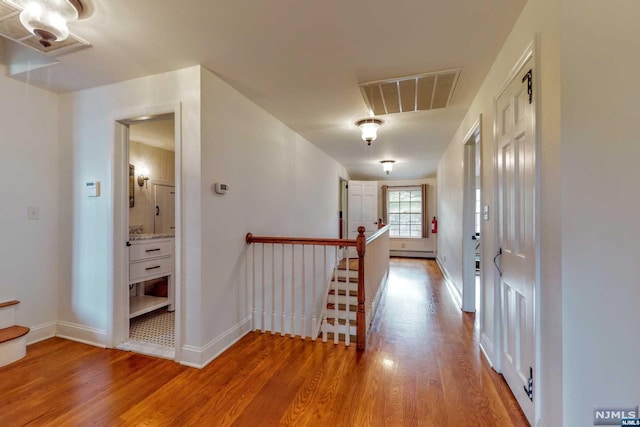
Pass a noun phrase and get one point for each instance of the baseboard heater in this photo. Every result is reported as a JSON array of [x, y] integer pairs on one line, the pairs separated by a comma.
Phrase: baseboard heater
[[413, 254]]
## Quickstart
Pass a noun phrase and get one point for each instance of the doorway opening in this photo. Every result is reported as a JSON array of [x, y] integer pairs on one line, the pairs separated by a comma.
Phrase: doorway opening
[[146, 319], [343, 209], [472, 218]]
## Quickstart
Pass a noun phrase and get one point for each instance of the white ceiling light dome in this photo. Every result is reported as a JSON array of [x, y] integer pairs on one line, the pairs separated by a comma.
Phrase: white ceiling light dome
[[369, 128], [48, 19], [387, 165]]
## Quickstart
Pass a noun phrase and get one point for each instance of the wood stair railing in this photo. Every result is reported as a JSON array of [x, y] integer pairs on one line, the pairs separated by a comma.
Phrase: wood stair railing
[[12, 337], [280, 285], [359, 243]]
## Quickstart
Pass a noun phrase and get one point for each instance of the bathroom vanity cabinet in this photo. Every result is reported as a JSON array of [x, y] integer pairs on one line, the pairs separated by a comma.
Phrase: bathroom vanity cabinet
[[150, 257]]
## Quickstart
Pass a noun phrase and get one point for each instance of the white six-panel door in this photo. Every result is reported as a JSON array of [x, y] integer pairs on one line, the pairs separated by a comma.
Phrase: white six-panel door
[[363, 207], [516, 202]]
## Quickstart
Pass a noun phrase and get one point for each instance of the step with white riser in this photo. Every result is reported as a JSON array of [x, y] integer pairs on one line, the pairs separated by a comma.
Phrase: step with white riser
[[343, 273], [7, 316], [12, 351], [341, 314], [341, 329], [331, 299], [343, 286]]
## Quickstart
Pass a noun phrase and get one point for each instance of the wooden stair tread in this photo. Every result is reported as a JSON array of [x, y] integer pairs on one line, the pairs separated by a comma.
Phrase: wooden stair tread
[[342, 292], [353, 264], [9, 303], [342, 307], [344, 279], [331, 321], [12, 332], [341, 337]]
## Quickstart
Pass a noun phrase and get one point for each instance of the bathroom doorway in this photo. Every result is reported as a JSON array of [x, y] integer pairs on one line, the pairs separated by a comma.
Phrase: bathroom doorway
[[471, 223], [147, 316]]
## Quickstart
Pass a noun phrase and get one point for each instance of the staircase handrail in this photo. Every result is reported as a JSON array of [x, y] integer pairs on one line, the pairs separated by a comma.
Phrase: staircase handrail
[[250, 238]]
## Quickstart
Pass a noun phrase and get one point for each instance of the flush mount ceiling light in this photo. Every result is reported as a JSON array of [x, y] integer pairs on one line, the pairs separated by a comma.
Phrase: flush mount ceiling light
[[387, 165], [369, 128], [48, 19]]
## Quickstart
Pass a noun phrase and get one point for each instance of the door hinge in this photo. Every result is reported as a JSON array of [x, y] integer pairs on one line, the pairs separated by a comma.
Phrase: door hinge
[[529, 388], [529, 78]]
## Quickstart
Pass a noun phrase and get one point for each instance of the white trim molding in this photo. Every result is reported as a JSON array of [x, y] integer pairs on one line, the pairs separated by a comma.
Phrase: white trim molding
[[455, 293], [41, 332], [199, 357], [83, 334]]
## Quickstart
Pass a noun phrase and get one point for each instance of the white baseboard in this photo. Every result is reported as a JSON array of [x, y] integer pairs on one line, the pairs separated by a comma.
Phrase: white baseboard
[[41, 332], [82, 333], [486, 347], [199, 357], [413, 254], [455, 292]]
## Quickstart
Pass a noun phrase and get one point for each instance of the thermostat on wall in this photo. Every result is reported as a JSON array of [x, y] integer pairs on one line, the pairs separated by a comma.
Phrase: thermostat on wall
[[93, 189], [220, 188]]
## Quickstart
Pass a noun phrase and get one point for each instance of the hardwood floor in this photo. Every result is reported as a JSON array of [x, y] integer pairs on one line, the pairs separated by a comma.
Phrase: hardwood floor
[[422, 367]]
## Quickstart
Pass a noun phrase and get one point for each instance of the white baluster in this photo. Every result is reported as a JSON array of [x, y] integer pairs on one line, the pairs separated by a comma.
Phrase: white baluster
[[313, 298], [335, 301], [304, 281], [253, 292], [324, 309], [273, 289], [263, 293], [347, 334], [293, 292], [282, 293]]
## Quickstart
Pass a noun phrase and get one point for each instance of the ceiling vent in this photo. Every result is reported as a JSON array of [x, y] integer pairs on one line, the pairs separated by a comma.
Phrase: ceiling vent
[[12, 29], [414, 93]]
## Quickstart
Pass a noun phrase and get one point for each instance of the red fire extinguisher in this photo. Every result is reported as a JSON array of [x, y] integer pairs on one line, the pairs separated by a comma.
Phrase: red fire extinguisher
[[434, 225]]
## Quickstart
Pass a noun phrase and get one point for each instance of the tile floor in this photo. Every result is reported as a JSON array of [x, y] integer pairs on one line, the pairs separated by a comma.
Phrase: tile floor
[[152, 333]]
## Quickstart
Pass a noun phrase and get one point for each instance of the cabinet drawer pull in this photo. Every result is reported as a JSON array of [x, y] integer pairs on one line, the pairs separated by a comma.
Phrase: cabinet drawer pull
[[152, 268], [152, 250]]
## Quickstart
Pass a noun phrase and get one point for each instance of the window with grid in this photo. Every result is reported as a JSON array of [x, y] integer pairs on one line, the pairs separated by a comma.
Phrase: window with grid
[[404, 207]]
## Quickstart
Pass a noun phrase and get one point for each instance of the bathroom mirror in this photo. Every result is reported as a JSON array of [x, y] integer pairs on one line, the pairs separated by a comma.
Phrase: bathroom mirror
[[132, 197]]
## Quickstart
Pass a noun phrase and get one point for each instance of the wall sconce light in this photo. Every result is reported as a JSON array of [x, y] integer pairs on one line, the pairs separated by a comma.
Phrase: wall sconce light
[[369, 128], [387, 165], [48, 19], [143, 178]]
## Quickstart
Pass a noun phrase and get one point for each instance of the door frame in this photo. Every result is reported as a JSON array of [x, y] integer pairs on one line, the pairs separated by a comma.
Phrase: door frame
[[530, 53], [472, 149], [343, 213], [118, 327]]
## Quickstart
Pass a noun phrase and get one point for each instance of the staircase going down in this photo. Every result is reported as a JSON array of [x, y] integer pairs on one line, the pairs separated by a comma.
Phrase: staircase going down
[[342, 303], [13, 340]]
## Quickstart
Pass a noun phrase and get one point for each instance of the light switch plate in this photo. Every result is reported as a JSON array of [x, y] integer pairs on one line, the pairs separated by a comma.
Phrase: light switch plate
[[485, 212], [33, 213]]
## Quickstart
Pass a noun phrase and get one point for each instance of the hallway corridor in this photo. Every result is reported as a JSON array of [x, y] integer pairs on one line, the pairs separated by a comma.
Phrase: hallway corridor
[[422, 367]]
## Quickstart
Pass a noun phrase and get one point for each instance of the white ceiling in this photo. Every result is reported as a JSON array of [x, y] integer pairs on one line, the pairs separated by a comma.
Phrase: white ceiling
[[302, 60]]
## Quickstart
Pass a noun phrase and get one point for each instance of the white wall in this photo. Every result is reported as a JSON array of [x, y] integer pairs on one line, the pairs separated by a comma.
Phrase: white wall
[[29, 177], [601, 188], [280, 184], [539, 18], [414, 245], [88, 143]]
